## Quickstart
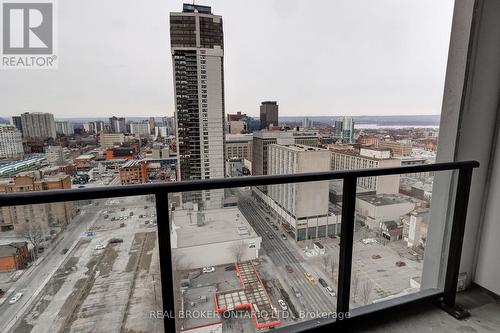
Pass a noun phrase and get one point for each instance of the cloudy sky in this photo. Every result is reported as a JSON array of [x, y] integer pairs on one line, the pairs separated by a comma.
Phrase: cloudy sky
[[331, 57]]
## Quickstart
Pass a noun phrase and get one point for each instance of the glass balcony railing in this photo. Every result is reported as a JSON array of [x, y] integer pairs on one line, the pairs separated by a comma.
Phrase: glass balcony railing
[[288, 252]]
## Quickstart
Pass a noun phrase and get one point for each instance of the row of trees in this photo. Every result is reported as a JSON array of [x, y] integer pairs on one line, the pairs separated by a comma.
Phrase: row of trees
[[329, 264]]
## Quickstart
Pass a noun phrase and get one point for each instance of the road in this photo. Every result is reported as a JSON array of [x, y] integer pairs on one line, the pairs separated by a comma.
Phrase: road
[[32, 280], [314, 297]]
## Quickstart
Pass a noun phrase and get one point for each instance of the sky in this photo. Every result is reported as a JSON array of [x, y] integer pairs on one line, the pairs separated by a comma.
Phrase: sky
[[316, 58]]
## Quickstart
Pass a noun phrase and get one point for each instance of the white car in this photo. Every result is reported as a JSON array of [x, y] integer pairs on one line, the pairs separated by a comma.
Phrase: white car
[[282, 304], [100, 247], [15, 298], [208, 269], [331, 292]]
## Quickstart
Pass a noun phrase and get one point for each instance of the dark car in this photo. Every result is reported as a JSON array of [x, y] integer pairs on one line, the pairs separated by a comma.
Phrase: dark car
[[275, 227], [400, 263], [122, 225], [64, 251], [322, 282], [115, 240], [122, 209], [289, 269], [283, 236], [271, 236]]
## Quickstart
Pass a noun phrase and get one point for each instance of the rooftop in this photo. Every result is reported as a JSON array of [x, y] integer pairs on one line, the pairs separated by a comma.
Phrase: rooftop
[[220, 225], [384, 199]]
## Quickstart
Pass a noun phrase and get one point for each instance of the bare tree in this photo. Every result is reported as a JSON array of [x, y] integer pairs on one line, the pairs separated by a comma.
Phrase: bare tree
[[355, 284], [366, 291], [34, 234], [238, 250], [333, 266], [325, 260]]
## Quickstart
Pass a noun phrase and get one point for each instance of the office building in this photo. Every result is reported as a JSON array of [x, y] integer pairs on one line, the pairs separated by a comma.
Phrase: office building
[[268, 114], [198, 67], [37, 125], [398, 148], [262, 139], [303, 208], [11, 142], [110, 140], [117, 125], [239, 146], [65, 127], [369, 158], [344, 129]]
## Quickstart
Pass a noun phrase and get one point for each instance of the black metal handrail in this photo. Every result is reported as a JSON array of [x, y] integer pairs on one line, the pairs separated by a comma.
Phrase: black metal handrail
[[350, 177]]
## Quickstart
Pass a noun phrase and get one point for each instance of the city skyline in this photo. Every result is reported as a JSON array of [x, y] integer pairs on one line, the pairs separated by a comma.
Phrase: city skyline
[[403, 75]]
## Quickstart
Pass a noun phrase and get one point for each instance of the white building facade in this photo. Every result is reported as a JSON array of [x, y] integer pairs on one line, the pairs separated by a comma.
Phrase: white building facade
[[11, 142]]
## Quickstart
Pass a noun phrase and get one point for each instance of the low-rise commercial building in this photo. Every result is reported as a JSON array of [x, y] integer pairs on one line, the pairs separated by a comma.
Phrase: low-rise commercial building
[[239, 146], [14, 256], [375, 209], [212, 237], [134, 172], [40, 216]]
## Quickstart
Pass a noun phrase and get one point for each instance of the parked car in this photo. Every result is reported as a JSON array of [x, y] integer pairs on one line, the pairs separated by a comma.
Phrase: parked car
[[208, 269], [309, 277], [275, 227], [100, 247], [400, 263], [106, 216], [283, 236], [131, 214], [115, 240], [113, 218], [376, 256], [331, 292], [282, 304], [15, 298], [296, 292], [122, 225], [271, 236], [2, 292], [289, 269], [145, 207], [64, 251], [322, 282], [123, 209]]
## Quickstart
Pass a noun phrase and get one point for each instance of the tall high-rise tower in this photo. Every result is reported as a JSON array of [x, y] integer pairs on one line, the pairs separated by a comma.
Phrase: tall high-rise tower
[[268, 114], [196, 38]]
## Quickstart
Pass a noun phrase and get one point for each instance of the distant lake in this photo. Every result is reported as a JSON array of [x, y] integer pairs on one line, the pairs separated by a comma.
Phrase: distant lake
[[377, 126]]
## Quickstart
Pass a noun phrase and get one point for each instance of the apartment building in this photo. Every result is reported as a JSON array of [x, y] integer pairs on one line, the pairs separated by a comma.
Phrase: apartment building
[[11, 142], [38, 125], [65, 127]]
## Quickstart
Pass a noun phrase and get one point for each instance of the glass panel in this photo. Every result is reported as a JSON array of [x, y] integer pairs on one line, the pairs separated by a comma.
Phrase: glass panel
[[262, 257], [94, 266], [392, 233]]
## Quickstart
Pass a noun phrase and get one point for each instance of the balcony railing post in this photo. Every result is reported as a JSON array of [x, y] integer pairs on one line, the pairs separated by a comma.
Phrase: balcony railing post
[[346, 242], [166, 267], [456, 242]]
